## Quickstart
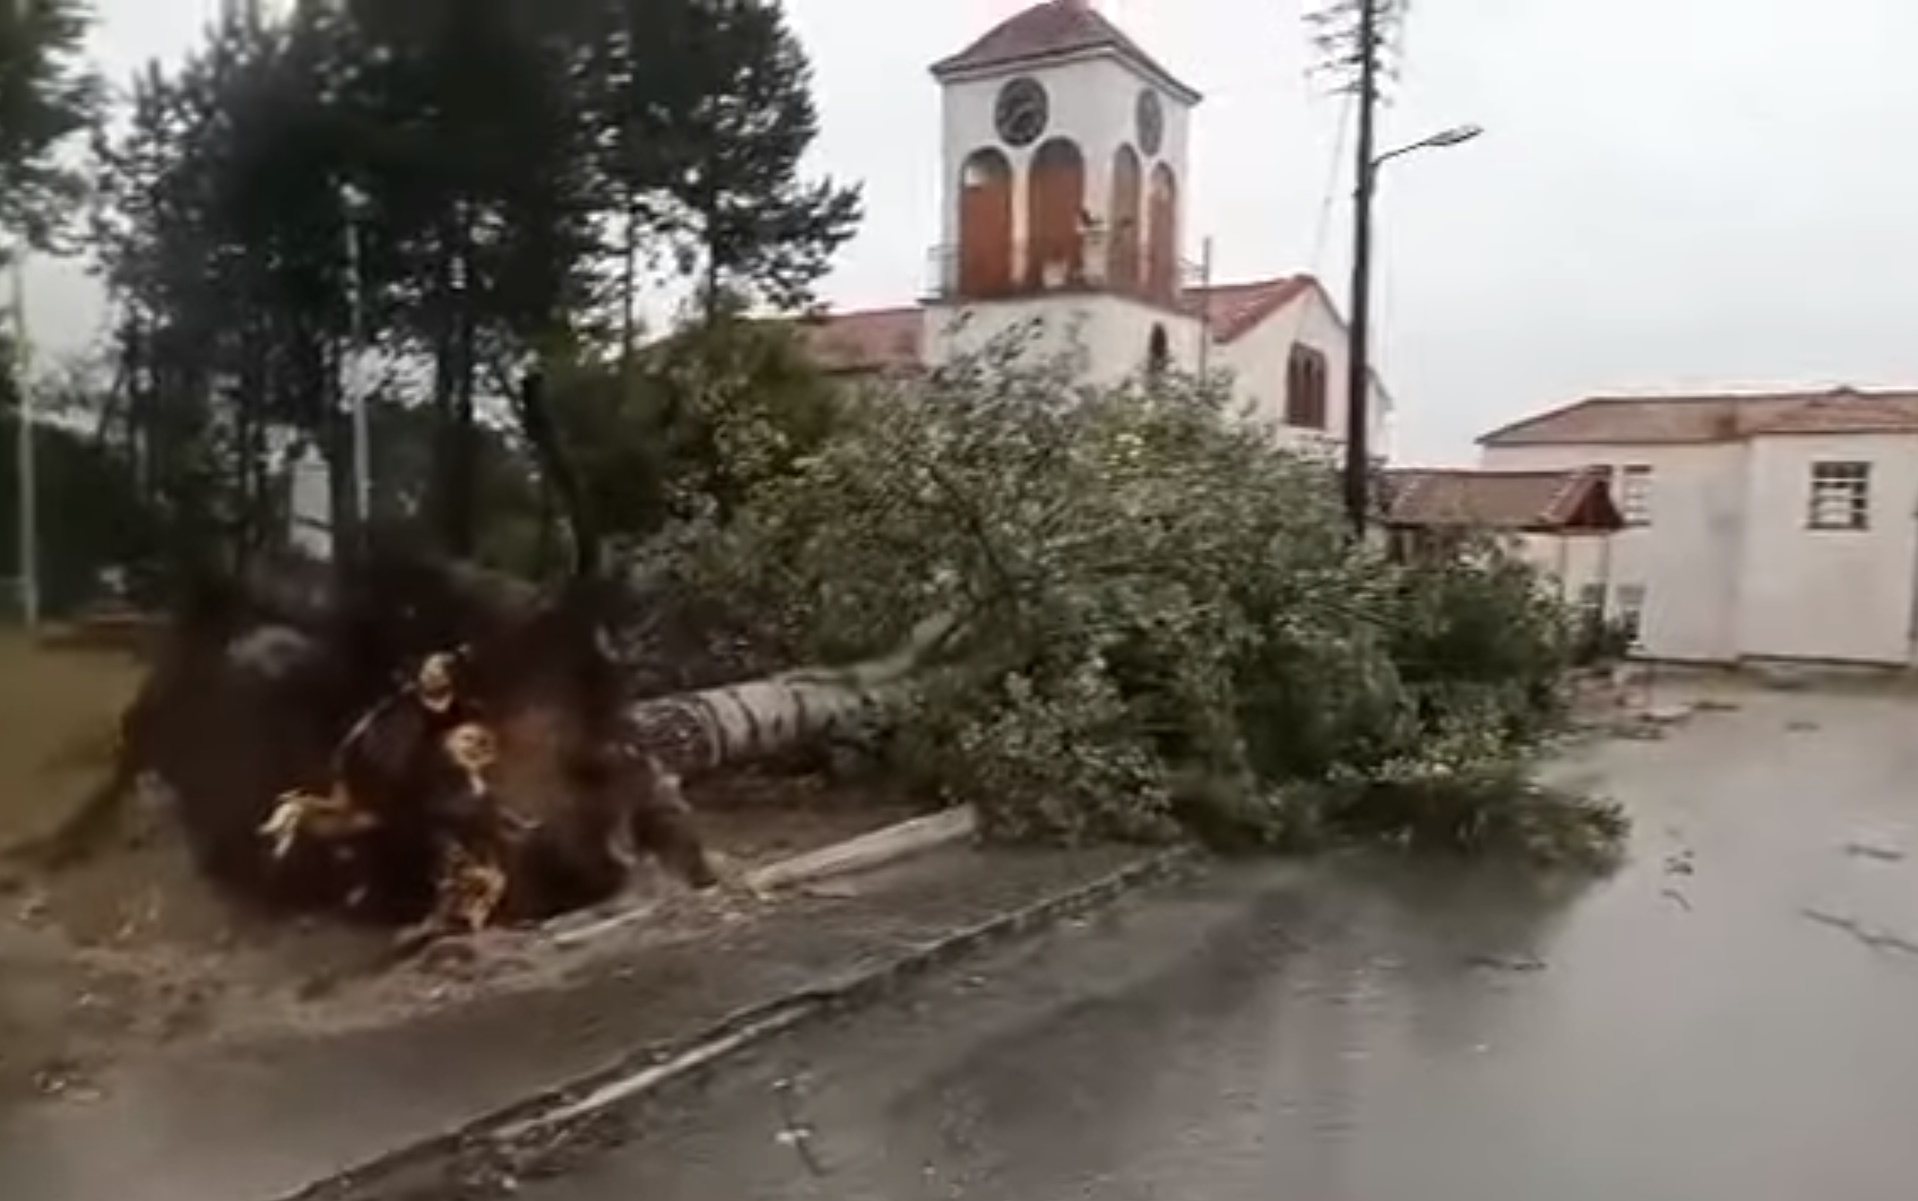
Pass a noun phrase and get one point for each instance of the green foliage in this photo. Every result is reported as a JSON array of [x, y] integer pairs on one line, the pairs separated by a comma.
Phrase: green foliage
[[46, 96], [462, 186], [697, 424], [1161, 619], [1601, 641]]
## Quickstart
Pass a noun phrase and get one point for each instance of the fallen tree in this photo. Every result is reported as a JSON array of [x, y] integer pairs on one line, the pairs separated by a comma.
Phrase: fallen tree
[[1166, 629], [1091, 615]]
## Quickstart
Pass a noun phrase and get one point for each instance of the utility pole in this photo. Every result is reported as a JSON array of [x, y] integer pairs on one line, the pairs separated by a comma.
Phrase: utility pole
[[1358, 381]]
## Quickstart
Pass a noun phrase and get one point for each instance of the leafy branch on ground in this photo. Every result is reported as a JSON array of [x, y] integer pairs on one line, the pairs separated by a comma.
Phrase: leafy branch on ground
[[1163, 626]]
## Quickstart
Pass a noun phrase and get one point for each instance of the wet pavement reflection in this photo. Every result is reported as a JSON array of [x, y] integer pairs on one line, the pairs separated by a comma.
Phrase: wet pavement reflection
[[1735, 1015]]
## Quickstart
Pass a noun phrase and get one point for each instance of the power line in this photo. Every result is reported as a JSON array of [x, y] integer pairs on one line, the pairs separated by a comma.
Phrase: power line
[[1330, 193]]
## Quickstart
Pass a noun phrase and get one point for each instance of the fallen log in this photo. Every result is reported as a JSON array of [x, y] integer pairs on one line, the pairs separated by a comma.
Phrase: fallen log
[[741, 723]]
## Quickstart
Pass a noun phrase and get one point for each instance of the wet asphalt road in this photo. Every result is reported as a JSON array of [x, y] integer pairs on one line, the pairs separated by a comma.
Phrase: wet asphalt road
[[1734, 1016]]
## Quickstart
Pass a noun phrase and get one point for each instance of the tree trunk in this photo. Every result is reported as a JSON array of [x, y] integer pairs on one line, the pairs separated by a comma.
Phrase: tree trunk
[[460, 516], [760, 719], [557, 474], [629, 293]]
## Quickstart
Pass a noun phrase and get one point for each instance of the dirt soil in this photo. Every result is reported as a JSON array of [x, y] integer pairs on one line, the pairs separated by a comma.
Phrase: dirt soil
[[131, 951]]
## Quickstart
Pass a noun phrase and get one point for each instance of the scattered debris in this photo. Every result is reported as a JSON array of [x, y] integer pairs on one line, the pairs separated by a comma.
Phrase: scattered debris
[[1668, 715], [1637, 729], [1677, 898], [794, 1131], [1875, 847], [66, 1079], [1780, 677], [1876, 939], [1801, 725], [33, 910], [1714, 704], [1507, 963], [1681, 863]]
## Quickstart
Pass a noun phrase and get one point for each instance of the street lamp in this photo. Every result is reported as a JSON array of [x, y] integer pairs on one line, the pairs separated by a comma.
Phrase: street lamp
[[1455, 136], [1358, 383]]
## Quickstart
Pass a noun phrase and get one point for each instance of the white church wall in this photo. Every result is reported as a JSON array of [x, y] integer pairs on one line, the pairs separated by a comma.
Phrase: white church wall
[[1258, 361], [1114, 333]]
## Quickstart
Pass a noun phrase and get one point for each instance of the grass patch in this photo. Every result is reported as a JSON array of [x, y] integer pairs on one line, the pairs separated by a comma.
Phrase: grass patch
[[59, 713]]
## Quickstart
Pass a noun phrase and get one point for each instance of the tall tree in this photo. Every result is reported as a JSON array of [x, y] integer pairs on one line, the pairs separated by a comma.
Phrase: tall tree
[[766, 233], [46, 95], [515, 161]]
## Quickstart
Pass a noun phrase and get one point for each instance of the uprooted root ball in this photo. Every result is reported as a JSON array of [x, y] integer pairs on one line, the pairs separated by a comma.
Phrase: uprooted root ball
[[423, 744]]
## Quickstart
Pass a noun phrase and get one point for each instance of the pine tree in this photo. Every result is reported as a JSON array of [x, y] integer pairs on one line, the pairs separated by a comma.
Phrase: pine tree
[[46, 96]]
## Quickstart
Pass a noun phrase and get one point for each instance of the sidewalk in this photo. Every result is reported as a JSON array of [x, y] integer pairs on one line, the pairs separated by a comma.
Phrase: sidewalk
[[257, 1122]]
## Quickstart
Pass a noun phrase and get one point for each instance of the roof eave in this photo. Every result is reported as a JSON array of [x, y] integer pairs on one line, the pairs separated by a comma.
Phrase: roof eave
[[1288, 292], [954, 70]]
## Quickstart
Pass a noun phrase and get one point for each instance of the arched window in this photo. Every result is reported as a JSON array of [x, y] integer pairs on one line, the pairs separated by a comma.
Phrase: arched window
[[1162, 238], [1305, 389], [1055, 216], [1123, 255], [1158, 352], [985, 225]]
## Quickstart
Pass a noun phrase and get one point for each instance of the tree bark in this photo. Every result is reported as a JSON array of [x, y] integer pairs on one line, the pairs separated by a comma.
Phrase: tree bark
[[557, 474], [760, 719]]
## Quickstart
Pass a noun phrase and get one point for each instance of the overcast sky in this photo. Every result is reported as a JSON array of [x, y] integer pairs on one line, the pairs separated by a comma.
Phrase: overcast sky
[[1670, 193]]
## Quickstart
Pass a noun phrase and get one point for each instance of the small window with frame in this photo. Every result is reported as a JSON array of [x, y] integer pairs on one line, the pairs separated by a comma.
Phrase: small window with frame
[[1635, 494], [1629, 612], [1840, 497]]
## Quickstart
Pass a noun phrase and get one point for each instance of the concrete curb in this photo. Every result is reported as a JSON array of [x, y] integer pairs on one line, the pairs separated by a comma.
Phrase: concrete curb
[[500, 1144]]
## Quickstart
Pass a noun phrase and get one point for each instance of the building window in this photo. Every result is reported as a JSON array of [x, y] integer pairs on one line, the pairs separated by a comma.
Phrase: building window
[[1591, 603], [1635, 495], [1840, 496], [1629, 602], [1305, 389]]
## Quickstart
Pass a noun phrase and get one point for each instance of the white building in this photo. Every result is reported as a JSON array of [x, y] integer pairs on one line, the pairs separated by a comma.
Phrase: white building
[[1759, 527], [1064, 155]]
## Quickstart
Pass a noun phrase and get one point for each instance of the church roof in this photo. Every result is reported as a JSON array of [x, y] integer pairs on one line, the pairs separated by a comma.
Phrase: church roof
[[893, 339], [867, 340], [1233, 310], [1055, 29]]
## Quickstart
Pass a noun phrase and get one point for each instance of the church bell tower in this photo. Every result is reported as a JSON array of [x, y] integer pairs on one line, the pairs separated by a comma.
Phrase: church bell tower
[[1065, 177]]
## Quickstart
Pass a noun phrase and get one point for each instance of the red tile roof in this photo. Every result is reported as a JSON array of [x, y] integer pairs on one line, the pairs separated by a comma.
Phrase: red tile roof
[[1634, 420], [1057, 29], [1232, 310], [872, 340], [1537, 501]]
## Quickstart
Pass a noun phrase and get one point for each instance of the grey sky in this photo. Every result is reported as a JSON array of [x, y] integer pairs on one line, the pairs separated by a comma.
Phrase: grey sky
[[1670, 194]]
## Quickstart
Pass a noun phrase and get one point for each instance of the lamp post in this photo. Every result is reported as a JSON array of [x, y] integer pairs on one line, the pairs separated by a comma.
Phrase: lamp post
[[1358, 384]]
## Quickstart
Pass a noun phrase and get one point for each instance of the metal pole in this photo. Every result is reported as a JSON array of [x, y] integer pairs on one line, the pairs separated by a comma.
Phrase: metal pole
[[1358, 384], [362, 435], [1205, 314], [23, 444]]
